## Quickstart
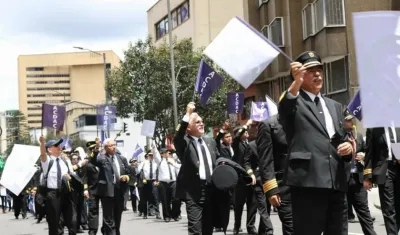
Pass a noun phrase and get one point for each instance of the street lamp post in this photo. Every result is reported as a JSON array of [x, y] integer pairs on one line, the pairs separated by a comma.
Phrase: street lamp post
[[171, 52], [108, 98]]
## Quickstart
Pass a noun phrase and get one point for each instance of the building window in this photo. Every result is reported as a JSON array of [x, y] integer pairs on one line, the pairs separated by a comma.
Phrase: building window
[[35, 115], [179, 15], [47, 82], [265, 30], [321, 14], [308, 21], [336, 74], [260, 2], [276, 31], [247, 107], [34, 121], [34, 68], [47, 75], [47, 88], [284, 83], [34, 108]]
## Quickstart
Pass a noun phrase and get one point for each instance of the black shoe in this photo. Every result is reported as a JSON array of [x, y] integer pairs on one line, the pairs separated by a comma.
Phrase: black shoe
[[145, 217], [167, 219], [176, 218], [79, 231], [158, 217], [218, 230], [236, 231], [373, 218], [252, 231], [140, 214], [85, 227], [352, 220], [16, 217]]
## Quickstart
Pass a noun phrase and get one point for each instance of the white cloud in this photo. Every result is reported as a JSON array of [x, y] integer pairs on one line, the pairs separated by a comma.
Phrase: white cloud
[[41, 26]]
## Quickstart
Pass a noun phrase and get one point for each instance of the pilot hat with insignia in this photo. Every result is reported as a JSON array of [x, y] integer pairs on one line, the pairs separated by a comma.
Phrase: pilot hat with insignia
[[309, 59], [347, 115], [91, 144]]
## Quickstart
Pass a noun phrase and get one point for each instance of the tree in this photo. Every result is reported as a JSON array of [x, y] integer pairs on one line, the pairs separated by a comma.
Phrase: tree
[[142, 85], [17, 131]]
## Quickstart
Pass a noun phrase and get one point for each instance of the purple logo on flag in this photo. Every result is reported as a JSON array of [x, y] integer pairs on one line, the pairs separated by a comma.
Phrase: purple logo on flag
[[208, 81], [138, 151], [355, 106], [259, 111], [106, 115], [235, 102], [53, 116]]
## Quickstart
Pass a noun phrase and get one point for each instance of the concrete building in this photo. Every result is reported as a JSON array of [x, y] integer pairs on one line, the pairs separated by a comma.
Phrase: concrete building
[[199, 20], [61, 78]]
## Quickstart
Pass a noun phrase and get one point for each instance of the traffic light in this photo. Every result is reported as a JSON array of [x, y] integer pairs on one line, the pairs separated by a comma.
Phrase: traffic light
[[125, 128]]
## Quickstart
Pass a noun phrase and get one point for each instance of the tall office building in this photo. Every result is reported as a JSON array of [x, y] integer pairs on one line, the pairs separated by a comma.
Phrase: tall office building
[[61, 78]]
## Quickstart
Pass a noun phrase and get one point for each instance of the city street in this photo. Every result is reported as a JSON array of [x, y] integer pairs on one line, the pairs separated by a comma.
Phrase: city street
[[134, 225]]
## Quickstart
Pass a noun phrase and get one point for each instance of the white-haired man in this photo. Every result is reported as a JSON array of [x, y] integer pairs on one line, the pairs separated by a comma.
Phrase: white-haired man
[[198, 155], [114, 175]]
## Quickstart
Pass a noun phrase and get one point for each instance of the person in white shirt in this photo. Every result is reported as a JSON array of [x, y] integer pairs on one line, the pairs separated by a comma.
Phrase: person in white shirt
[[166, 176], [56, 171], [3, 195], [148, 168]]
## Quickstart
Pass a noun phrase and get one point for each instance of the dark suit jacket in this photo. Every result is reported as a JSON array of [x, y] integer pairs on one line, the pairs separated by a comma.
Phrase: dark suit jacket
[[272, 149], [105, 184], [360, 148], [188, 183], [376, 163], [224, 151], [251, 161], [239, 147], [91, 179], [313, 161]]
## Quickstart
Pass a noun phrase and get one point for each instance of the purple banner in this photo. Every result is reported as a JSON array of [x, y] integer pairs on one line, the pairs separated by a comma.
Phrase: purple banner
[[138, 151], [235, 102], [106, 115], [208, 81], [355, 106], [259, 111], [53, 116]]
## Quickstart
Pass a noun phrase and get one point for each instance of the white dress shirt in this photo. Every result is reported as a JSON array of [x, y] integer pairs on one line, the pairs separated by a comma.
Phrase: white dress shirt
[[202, 169], [328, 118], [116, 163], [164, 168], [388, 140], [52, 177], [145, 166]]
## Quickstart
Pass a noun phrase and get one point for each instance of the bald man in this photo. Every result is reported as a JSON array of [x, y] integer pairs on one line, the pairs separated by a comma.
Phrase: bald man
[[197, 154]]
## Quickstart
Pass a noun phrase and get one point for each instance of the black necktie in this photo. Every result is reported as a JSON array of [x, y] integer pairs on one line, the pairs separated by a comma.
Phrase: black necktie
[[320, 110], [205, 160], [114, 167], [169, 169], [151, 170], [58, 173]]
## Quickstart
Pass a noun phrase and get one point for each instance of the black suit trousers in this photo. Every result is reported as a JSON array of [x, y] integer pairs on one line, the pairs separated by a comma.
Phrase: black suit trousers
[[245, 195], [20, 205], [318, 210], [60, 211], [357, 197], [285, 213], [199, 212], [265, 226], [112, 212], [169, 204], [93, 215], [389, 198]]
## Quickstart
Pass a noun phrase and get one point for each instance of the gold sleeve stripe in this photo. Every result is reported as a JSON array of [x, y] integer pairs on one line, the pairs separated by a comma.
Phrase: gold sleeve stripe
[[269, 185], [283, 95], [92, 155], [85, 186], [368, 171], [75, 167], [250, 171], [177, 127]]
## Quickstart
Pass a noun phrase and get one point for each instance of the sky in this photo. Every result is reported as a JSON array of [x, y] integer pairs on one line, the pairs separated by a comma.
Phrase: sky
[[48, 26]]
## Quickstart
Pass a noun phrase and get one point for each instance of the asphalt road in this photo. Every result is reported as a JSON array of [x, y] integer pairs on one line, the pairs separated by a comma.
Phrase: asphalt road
[[135, 225]]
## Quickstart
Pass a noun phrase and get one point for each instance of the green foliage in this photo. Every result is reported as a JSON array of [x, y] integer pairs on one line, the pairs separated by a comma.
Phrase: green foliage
[[17, 132], [142, 85]]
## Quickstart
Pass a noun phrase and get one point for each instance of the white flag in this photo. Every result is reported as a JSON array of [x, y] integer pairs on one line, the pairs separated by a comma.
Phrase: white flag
[[241, 51]]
